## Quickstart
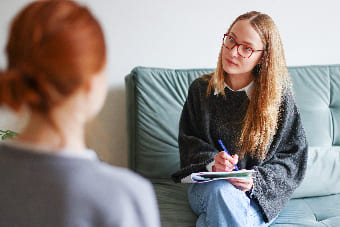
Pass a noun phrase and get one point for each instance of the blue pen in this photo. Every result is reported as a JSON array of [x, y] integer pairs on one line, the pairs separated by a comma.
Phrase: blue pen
[[226, 151]]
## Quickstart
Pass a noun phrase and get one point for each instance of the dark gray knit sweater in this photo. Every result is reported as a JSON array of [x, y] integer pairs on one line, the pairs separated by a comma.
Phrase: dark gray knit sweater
[[205, 120]]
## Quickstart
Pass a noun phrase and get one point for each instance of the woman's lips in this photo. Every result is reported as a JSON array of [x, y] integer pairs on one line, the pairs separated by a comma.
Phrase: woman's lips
[[231, 62]]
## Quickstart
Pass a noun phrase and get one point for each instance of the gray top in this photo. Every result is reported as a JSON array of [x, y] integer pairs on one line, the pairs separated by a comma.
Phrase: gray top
[[205, 120], [39, 189]]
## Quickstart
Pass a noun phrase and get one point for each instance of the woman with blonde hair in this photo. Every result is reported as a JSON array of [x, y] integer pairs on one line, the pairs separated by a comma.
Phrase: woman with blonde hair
[[248, 104], [56, 59]]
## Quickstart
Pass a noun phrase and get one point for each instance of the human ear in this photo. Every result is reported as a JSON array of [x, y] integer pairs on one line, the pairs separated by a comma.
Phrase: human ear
[[88, 86], [258, 66]]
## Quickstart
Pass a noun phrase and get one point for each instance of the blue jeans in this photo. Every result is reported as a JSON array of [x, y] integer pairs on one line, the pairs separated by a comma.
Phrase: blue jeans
[[219, 203]]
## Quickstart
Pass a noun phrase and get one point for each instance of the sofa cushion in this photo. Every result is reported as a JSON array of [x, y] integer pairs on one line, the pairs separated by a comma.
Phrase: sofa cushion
[[322, 175], [317, 90], [155, 99], [312, 97], [173, 204], [314, 211]]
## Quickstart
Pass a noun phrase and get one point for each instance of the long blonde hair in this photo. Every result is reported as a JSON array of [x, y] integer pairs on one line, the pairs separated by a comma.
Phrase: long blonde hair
[[271, 80]]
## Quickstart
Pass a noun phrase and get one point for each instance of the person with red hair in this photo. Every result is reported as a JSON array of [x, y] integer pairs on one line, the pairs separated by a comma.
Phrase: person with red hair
[[56, 69]]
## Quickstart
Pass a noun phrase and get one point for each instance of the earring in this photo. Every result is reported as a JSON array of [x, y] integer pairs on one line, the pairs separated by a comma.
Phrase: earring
[[257, 68]]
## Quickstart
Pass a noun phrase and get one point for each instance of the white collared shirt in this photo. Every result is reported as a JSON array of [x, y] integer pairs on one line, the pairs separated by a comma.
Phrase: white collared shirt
[[248, 89]]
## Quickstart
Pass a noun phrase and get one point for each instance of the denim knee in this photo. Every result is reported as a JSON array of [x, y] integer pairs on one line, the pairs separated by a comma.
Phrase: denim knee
[[201, 194], [219, 202]]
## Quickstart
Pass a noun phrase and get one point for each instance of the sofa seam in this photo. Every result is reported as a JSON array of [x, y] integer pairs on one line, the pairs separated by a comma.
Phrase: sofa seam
[[329, 103], [132, 118], [310, 208]]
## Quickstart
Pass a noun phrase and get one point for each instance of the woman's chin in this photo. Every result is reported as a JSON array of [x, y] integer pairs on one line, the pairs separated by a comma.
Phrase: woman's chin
[[230, 70]]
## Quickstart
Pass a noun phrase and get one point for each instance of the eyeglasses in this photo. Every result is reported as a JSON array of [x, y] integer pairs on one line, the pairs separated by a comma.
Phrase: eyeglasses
[[242, 50]]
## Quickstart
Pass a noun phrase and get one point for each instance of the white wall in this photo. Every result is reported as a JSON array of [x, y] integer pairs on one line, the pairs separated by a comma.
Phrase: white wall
[[185, 34]]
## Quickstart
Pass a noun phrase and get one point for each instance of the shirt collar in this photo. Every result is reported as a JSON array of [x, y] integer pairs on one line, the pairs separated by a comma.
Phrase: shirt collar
[[248, 89], [65, 152]]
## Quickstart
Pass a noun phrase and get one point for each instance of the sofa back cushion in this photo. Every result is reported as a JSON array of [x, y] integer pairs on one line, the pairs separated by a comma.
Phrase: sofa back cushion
[[323, 173], [155, 98], [317, 94]]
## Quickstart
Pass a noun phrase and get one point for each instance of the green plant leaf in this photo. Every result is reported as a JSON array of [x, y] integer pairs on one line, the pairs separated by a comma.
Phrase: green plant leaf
[[7, 134]]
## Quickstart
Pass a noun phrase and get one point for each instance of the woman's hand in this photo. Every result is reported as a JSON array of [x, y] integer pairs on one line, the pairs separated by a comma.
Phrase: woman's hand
[[225, 162], [242, 184]]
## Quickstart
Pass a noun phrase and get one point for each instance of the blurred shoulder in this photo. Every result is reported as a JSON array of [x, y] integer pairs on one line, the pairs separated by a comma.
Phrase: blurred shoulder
[[120, 191], [123, 177]]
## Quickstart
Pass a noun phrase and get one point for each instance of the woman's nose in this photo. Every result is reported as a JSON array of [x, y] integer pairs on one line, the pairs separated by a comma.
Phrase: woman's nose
[[234, 51]]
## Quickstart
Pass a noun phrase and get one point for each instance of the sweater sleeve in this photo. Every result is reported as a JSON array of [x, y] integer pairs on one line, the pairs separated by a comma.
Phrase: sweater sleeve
[[284, 168], [196, 153]]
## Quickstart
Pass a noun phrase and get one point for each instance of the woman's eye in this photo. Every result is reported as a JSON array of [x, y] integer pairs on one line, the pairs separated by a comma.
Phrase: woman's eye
[[231, 40], [246, 48]]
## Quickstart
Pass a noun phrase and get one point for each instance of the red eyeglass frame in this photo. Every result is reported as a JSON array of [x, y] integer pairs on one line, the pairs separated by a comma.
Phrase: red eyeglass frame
[[238, 45]]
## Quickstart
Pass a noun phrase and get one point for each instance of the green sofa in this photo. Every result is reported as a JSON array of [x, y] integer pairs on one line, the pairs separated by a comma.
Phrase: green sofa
[[155, 98]]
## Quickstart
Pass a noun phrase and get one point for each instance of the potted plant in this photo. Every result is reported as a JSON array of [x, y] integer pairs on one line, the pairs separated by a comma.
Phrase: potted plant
[[7, 134]]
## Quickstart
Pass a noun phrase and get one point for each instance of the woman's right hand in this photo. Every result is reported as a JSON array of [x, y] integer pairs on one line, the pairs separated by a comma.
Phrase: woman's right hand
[[225, 162]]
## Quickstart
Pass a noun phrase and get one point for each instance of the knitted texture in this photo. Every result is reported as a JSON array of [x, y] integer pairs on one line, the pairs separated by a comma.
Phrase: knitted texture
[[206, 119]]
